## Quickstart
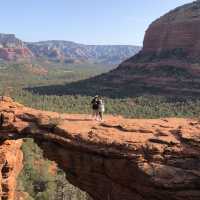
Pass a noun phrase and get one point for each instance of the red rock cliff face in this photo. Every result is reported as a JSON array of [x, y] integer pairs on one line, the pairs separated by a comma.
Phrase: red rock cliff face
[[12, 48], [174, 35], [10, 166], [118, 159], [179, 28], [11, 54]]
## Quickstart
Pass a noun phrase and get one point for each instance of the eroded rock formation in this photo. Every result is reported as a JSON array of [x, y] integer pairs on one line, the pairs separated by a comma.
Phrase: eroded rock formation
[[12, 48], [117, 159], [11, 54], [10, 166], [178, 29]]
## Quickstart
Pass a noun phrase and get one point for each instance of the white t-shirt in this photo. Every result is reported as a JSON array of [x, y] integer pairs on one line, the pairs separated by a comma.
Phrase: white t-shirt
[[101, 106]]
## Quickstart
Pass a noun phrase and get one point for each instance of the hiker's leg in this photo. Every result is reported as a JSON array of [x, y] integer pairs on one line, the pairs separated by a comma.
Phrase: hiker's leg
[[97, 115], [101, 115], [93, 113]]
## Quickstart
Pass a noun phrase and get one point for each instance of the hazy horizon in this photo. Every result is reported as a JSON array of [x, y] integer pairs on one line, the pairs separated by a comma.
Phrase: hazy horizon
[[90, 22]]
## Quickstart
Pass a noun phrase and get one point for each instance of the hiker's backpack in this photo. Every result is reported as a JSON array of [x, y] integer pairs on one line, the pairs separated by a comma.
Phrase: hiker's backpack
[[95, 104]]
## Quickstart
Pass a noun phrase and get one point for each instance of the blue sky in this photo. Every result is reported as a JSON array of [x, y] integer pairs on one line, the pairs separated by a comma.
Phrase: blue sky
[[84, 21]]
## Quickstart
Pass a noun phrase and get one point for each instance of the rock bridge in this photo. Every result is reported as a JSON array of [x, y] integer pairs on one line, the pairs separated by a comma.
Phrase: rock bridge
[[119, 159]]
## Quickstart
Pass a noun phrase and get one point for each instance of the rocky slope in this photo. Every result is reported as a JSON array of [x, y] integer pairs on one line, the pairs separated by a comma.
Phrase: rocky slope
[[116, 159]]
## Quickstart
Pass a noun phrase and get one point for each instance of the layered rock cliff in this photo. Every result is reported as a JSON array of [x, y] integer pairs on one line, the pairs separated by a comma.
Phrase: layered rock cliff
[[178, 29], [10, 41], [12, 48], [116, 159], [13, 54]]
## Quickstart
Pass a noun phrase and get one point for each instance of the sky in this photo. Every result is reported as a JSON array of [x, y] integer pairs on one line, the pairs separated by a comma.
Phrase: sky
[[83, 21]]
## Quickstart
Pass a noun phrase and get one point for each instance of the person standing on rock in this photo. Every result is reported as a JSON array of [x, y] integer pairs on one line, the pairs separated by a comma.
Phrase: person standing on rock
[[95, 107], [101, 108]]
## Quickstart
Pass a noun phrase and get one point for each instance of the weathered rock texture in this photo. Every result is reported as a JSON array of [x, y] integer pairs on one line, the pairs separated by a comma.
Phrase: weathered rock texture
[[177, 29], [117, 159], [10, 166]]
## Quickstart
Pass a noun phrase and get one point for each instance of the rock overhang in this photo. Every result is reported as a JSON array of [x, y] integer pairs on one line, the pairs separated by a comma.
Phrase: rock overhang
[[159, 156]]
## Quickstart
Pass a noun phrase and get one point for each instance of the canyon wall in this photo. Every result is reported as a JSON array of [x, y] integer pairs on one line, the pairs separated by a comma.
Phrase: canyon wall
[[178, 29], [117, 159]]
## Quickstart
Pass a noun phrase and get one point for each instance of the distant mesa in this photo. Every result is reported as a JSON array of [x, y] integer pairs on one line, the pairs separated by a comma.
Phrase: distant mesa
[[71, 52], [10, 41], [12, 49]]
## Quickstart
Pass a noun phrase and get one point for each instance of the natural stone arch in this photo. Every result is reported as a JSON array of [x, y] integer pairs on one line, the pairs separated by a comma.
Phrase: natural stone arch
[[119, 159]]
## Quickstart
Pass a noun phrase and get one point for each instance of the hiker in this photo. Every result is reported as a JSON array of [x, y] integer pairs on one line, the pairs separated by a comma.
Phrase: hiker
[[95, 107], [101, 107]]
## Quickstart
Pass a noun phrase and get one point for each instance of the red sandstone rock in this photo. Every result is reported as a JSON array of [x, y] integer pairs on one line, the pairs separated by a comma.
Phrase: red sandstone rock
[[119, 158], [15, 53], [10, 166], [12, 48], [179, 28]]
